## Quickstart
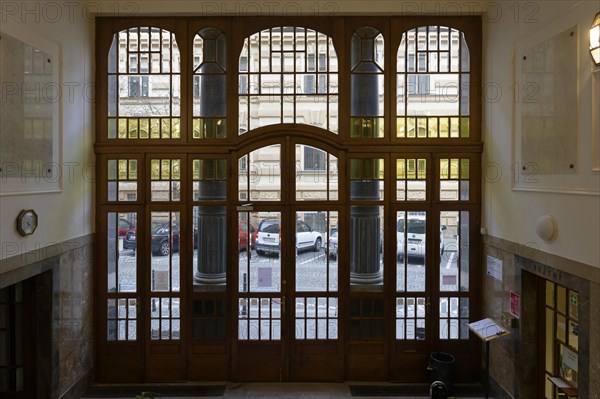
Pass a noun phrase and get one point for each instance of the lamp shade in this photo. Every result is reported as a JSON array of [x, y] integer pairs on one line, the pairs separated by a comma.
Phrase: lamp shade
[[595, 39]]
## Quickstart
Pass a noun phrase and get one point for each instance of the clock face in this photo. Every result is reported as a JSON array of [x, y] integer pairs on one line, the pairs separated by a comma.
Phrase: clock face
[[27, 222]]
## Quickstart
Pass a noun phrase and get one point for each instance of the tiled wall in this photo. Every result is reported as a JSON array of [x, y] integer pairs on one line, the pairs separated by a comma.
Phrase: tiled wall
[[64, 313], [512, 357]]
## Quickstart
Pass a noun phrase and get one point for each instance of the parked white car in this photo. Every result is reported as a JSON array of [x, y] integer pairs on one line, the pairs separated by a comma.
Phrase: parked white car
[[413, 230], [269, 236]]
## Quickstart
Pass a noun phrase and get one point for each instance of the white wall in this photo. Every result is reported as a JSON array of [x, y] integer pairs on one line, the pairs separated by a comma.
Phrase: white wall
[[572, 199], [66, 214]]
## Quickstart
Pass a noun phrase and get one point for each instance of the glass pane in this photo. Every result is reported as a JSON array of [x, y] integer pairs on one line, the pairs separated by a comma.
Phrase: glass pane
[[573, 305], [209, 243], [549, 293], [316, 174], [561, 299], [121, 251], [366, 247], [411, 241], [259, 175], [411, 177], [315, 271], [271, 93], [454, 251], [165, 241], [165, 175], [146, 82], [264, 272]]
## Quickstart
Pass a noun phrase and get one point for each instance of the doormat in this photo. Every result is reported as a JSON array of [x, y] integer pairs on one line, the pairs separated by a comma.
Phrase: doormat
[[412, 390], [131, 391], [389, 390]]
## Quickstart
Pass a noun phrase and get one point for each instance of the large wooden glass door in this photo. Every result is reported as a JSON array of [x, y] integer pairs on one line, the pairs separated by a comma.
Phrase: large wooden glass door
[[287, 280]]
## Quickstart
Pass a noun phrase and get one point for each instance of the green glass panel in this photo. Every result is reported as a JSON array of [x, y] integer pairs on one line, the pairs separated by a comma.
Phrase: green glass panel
[[422, 127], [366, 127], [196, 128], [175, 128], [464, 127], [366, 169], [132, 169], [112, 169], [209, 128], [422, 168], [464, 169], [549, 341], [411, 169], [561, 299], [112, 128], [561, 328]]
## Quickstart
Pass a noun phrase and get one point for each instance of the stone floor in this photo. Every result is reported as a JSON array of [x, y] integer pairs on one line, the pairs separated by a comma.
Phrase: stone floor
[[290, 390]]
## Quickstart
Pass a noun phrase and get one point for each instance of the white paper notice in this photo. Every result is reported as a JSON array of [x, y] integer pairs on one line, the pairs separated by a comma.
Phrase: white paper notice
[[494, 268]]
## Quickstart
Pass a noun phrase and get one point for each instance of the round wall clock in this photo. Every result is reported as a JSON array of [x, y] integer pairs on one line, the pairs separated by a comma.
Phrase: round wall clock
[[27, 222]]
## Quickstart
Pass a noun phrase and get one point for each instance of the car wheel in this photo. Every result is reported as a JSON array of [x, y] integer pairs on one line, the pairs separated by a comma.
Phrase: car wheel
[[260, 252], [317, 246], [164, 249]]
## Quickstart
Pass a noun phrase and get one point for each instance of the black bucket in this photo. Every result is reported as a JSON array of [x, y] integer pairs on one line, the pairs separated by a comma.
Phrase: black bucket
[[440, 367]]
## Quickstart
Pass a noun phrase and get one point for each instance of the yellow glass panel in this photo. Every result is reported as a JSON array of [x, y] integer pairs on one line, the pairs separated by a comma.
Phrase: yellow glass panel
[[422, 130], [573, 305], [123, 169], [444, 128], [133, 128], [155, 169], [464, 169], [196, 128], [561, 299], [454, 127], [549, 293], [401, 127], [165, 169], [549, 341], [155, 128], [144, 128], [432, 127], [561, 328], [122, 128], [112, 169], [165, 132], [400, 169], [132, 169], [175, 128], [454, 168], [444, 168], [411, 127], [176, 171], [196, 169]]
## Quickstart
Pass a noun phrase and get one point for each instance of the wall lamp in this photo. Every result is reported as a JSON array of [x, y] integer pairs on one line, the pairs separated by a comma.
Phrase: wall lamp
[[595, 39]]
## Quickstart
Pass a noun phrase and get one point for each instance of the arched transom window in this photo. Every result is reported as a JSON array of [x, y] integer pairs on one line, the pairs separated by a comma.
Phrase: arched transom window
[[288, 75]]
